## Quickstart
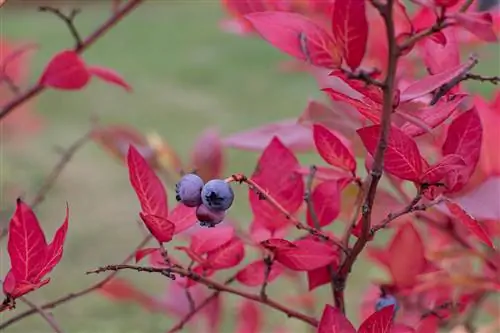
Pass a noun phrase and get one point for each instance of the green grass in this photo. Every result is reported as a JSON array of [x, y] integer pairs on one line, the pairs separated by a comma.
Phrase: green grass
[[187, 75]]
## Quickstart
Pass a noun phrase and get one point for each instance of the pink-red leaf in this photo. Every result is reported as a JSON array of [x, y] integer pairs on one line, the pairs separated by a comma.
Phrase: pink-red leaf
[[298, 36], [143, 253], [254, 273], [379, 322], [471, 223], [228, 255], [325, 201], [27, 246], [402, 157], [332, 149], [207, 155], [275, 173], [161, 228], [478, 23], [110, 76], [277, 244], [147, 185], [350, 30], [438, 171], [320, 276], [183, 217], [66, 71], [308, 255], [209, 239], [333, 321]]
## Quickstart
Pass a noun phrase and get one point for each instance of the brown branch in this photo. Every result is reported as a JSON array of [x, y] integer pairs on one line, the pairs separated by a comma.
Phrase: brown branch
[[476, 77], [268, 261], [213, 285], [241, 178], [86, 43], [73, 296], [386, 11], [362, 76], [47, 317], [69, 20]]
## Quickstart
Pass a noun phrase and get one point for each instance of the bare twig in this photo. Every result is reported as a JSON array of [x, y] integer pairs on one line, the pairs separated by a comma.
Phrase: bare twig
[[476, 77], [14, 88], [213, 285], [76, 295], [47, 317], [86, 43], [69, 20], [268, 261]]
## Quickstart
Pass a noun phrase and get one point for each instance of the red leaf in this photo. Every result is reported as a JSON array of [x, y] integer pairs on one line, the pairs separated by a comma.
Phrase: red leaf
[[27, 246], [121, 290], [471, 223], [147, 185], [378, 322], [298, 36], [333, 321], [438, 171], [275, 173], [295, 136], [191, 254], [325, 203], [183, 217], [249, 318], [161, 228], [320, 276], [406, 256], [308, 255], [350, 30], [66, 71], [209, 239], [277, 244], [432, 82], [480, 24], [332, 149], [207, 155], [23, 287], [55, 248], [110, 76], [253, 274], [142, 253], [402, 157], [228, 255], [464, 138]]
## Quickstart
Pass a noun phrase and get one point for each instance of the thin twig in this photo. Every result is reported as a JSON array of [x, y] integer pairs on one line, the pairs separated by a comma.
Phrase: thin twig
[[213, 285], [476, 77], [268, 261], [69, 20], [10, 83], [86, 43], [47, 317], [76, 295]]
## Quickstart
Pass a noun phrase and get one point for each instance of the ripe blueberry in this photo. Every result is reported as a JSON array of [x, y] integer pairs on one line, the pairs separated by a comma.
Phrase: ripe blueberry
[[386, 300], [209, 218], [217, 195], [188, 190]]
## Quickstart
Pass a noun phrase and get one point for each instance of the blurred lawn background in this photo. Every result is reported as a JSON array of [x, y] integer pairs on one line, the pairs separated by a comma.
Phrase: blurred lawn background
[[187, 75]]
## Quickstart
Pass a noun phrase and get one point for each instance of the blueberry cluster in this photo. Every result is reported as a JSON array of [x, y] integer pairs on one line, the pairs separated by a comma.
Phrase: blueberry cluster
[[211, 200]]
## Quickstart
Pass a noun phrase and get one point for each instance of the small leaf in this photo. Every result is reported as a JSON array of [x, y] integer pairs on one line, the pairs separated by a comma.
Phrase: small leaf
[[143, 253], [333, 321], [147, 185], [227, 255], [253, 274], [402, 157], [307, 255], [298, 36], [110, 76], [65, 71], [325, 203], [379, 322], [471, 223], [332, 149], [350, 30], [161, 228]]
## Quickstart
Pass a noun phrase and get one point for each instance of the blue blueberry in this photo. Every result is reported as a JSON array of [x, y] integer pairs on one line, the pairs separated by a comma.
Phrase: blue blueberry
[[386, 300], [208, 217], [217, 195], [188, 190]]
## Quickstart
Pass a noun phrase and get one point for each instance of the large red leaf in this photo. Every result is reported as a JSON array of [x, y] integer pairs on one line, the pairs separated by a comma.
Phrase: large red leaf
[[308, 255], [333, 321], [471, 223], [66, 71], [464, 138], [27, 246], [275, 173], [379, 322], [332, 149], [183, 217], [147, 185], [438, 171], [208, 239], [350, 30], [325, 201], [161, 228], [207, 158], [298, 36], [55, 248], [480, 24], [227, 255], [110, 76], [402, 157], [432, 82], [254, 273]]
